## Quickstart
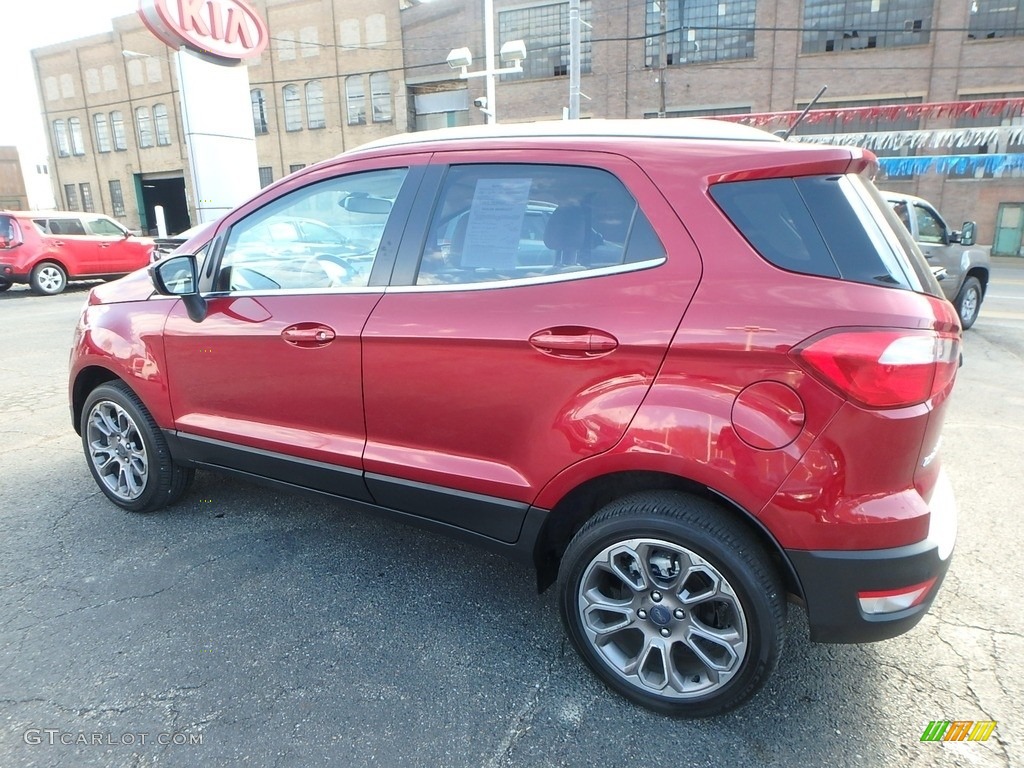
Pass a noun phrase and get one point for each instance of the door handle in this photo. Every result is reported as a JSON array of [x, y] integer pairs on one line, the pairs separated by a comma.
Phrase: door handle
[[308, 335], [574, 342], [58, 242]]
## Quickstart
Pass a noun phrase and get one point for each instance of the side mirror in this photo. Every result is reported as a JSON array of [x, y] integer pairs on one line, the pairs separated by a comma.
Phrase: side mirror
[[968, 233], [178, 277]]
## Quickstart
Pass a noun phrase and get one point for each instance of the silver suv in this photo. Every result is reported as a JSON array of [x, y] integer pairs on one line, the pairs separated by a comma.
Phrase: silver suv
[[963, 267]]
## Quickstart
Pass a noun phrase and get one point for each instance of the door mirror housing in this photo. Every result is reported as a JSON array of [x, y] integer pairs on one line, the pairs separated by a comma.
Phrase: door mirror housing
[[179, 277], [968, 233]]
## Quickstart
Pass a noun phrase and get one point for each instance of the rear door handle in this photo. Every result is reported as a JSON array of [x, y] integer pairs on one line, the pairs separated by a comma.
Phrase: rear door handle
[[573, 342], [308, 335]]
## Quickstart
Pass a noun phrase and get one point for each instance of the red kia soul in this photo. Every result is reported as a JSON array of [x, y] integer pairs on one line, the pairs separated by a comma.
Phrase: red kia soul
[[47, 249], [689, 371]]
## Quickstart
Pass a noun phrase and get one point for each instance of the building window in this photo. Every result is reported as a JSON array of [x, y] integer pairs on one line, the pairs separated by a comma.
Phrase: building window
[[545, 28], [854, 25], [296, 167], [309, 39], [109, 78], [144, 123], [380, 96], [292, 108], [376, 29], [699, 112], [87, 205], [52, 88], [67, 86], [163, 125], [99, 127], [71, 197], [92, 80], [116, 197], [285, 45], [315, 104], [117, 129], [700, 31], [135, 72], [153, 72], [355, 96], [266, 176], [259, 111], [349, 34], [77, 142], [996, 18], [60, 138]]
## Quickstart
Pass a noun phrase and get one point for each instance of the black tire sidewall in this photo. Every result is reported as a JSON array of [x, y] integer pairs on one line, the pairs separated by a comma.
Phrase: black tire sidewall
[[763, 632], [115, 394], [971, 284]]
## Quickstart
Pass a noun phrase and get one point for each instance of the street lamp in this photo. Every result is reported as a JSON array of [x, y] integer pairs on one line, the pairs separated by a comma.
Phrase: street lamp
[[512, 55]]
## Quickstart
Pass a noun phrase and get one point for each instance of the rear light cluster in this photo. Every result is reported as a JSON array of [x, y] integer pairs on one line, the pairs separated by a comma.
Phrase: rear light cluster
[[883, 368], [894, 600]]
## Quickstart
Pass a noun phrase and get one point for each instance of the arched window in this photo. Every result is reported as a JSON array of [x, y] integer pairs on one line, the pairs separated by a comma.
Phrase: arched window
[[60, 138], [99, 127], [292, 108], [380, 95], [163, 125], [77, 143], [144, 124], [355, 95], [117, 129], [315, 104], [259, 111]]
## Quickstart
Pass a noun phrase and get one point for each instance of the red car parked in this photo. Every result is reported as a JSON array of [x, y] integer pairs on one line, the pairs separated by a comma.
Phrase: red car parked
[[687, 370], [47, 249]]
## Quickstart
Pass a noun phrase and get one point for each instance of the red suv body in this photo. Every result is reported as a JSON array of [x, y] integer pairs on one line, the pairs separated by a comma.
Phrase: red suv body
[[47, 249], [686, 369]]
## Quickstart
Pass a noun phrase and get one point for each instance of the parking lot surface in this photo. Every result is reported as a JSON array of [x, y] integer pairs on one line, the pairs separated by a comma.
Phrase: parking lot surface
[[250, 627]]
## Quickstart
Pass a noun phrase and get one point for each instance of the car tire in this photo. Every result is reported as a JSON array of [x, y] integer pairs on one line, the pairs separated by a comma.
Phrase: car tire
[[48, 278], [4, 285], [127, 453], [673, 604], [968, 302]]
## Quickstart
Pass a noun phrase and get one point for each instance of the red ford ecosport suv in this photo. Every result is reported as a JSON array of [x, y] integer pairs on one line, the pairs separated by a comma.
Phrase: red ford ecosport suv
[[687, 370]]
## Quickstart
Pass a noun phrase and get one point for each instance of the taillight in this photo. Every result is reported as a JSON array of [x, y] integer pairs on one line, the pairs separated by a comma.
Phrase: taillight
[[883, 368]]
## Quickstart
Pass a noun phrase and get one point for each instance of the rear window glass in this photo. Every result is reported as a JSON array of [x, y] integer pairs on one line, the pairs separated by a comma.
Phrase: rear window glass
[[819, 225]]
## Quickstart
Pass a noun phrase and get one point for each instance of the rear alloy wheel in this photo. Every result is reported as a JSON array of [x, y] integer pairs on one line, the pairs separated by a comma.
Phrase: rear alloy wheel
[[127, 453], [48, 278], [968, 302], [673, 604]]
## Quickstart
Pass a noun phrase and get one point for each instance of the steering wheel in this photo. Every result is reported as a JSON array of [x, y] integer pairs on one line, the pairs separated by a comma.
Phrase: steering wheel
[[338, 270]]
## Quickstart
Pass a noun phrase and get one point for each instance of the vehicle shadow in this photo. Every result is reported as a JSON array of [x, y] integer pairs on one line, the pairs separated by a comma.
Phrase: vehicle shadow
[[264, 605]]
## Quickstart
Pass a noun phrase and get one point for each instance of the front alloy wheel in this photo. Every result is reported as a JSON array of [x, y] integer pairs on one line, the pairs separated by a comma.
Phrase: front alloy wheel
[[117, 451], [127, 453], [673, 603]]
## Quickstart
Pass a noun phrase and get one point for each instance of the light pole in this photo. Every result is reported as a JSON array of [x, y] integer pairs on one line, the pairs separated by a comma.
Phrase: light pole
[[512, 54]]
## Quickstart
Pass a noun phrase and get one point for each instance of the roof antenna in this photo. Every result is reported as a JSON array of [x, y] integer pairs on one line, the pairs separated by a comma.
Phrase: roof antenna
[[789, 132]]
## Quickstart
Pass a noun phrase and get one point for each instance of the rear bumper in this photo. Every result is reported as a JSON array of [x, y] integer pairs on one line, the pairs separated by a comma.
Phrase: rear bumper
[[856, 596]]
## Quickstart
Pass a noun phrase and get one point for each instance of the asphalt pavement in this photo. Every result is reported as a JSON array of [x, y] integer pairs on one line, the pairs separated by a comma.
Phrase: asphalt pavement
[[251, 627]]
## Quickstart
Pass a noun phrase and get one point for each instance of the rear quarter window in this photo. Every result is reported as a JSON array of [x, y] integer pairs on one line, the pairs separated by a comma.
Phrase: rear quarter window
[[821, 225]]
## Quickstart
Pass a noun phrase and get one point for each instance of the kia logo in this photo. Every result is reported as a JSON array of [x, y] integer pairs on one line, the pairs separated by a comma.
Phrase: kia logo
[[226, 29]]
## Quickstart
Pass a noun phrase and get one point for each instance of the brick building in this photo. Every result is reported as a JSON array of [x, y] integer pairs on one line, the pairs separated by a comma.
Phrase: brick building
[[12, 182], [340, 72]]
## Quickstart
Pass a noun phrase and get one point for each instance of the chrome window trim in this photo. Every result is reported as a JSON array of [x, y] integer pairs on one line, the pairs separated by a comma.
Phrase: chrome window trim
[[636, 266], [378, 289]]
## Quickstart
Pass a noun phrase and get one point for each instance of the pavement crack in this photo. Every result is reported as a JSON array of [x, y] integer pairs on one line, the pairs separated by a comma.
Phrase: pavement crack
[[523, 718]]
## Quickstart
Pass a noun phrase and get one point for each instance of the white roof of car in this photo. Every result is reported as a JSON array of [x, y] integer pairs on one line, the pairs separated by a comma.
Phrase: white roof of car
[[668, 128]]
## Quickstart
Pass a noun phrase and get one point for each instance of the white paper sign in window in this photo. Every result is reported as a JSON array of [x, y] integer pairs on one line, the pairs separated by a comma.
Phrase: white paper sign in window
[[495, 223]]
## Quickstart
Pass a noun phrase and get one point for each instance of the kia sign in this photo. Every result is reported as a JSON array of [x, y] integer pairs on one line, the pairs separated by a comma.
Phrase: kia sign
[[225, 29]]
